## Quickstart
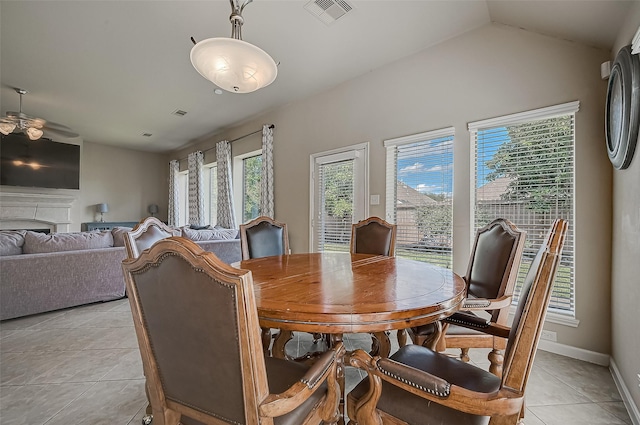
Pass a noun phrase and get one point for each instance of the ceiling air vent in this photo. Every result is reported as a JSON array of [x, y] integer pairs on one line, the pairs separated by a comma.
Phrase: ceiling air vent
[[328, 11], [179, 112]]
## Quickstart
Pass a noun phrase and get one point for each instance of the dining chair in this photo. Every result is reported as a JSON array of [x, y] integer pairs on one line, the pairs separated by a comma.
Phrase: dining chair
[[373, 236], [263, 237], [197, 327], [143, 236], [491, 276], [420, 386]]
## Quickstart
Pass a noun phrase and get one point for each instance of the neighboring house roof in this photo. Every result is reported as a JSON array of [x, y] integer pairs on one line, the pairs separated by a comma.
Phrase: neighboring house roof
[[408, 197], [493, 190]]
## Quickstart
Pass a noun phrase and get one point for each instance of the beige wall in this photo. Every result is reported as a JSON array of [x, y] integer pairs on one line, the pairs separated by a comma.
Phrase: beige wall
[[625, 276], [125, 179], [489, 72]]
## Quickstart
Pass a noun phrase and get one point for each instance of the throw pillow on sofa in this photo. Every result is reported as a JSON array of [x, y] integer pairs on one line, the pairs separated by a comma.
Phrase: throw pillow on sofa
[[209, 235], [11, 242], [196, 227], [38, 243], [118, 234]]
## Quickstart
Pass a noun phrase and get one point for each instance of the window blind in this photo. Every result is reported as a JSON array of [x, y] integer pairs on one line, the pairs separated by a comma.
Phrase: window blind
[[524, 172], [419, 195], [335, 198]]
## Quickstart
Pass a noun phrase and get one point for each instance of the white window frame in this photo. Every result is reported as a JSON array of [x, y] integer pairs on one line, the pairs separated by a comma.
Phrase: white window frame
[[391, 146], [565, 318], [183, 198], [360, 151], [238, 179]]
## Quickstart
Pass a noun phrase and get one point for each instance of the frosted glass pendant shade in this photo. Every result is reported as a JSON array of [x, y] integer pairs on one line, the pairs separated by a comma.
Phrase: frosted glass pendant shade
[[233, 65]]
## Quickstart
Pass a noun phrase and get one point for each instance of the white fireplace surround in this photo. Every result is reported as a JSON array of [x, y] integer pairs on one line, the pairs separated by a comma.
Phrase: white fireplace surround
[[35, 211]]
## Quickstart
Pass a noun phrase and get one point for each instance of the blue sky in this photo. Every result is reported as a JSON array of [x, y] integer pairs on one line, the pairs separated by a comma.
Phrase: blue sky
[[429, 169]]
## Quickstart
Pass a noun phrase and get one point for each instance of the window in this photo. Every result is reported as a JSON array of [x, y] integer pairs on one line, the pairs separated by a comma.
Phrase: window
[[183, 196], [338, 196], [420, 195], [524, 172], [247, 176], [210, 193]]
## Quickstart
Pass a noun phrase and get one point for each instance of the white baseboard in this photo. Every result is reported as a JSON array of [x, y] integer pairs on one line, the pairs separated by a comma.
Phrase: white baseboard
[[632, 409], [574, 352]]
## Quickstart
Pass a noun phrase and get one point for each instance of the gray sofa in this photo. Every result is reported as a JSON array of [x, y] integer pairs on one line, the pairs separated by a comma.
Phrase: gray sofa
[[40, 273]]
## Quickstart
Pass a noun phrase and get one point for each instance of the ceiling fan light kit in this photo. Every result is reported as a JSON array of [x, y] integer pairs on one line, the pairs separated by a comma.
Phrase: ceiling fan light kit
[[31, 126], [231, 63]]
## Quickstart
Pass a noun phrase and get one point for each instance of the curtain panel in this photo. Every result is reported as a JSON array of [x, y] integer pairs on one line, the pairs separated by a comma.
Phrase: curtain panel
[[226, 210], [266, 182], [196, 188], [174, 198]]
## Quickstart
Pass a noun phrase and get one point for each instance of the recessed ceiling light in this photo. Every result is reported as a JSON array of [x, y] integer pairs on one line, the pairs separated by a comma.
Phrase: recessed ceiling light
[[217, 91]]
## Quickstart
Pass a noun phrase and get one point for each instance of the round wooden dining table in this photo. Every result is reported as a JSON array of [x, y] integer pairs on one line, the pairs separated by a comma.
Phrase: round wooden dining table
[[338, 293], [333, 294]]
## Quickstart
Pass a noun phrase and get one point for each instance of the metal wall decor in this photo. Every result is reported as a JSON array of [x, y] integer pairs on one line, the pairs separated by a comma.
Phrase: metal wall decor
[[622, 114]]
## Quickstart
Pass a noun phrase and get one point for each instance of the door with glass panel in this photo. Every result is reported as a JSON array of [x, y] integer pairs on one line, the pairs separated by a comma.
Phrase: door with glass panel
[[339, 190]]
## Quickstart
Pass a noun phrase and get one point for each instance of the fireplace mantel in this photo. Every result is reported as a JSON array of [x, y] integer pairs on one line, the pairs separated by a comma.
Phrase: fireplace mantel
[[35, 210]]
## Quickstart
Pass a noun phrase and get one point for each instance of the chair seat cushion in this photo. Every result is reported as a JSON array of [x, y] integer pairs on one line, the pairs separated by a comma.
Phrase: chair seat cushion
[[416, 410], [281, 375]]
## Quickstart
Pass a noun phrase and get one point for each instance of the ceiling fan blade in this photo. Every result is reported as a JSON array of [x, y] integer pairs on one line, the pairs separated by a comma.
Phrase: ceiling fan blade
[[59, 131], [57, 126]]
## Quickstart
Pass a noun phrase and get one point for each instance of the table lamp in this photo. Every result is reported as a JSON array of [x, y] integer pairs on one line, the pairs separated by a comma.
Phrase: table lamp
[[153, 210], [102, 208]]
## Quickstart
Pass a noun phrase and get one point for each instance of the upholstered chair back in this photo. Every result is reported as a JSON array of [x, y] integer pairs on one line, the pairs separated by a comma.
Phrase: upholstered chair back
[[263, 237], [532, 308], [497, 249], [145, 234], [373, 236]]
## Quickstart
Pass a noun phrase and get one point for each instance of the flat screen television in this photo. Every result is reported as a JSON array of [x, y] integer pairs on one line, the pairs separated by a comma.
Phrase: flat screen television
[[38, 163]]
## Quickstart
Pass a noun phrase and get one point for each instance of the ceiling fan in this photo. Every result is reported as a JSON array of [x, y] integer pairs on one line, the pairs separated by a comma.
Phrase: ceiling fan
[[33, 127]]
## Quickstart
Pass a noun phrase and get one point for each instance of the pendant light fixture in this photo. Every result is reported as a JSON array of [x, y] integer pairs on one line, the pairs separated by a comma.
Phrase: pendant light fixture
[[231, 63]]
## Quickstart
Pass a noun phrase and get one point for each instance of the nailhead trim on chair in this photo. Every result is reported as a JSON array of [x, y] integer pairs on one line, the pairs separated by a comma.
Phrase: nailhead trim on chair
[[464, 322], [413, 384], [476, 304]]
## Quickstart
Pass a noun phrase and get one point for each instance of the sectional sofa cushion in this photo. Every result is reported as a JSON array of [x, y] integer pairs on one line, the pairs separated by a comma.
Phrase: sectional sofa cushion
[[209, 234], [11, 242], [38, 243]]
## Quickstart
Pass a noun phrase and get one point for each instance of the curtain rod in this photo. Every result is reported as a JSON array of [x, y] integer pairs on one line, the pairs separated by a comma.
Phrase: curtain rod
[[272, 126]]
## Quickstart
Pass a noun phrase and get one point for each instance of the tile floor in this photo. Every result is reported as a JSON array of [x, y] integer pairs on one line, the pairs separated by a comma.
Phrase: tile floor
[[82, 366]]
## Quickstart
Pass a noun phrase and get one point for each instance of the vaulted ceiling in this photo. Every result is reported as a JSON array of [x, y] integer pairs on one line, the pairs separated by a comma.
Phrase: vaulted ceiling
[[114, 70]]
